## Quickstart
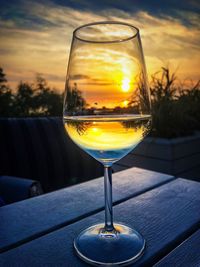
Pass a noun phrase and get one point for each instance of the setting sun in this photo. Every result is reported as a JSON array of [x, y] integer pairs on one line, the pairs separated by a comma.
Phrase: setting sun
[[125, 103], [125, 85]]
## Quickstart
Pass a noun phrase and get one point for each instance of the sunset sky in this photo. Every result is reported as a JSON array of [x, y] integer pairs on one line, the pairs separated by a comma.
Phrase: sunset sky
[[35, 36]]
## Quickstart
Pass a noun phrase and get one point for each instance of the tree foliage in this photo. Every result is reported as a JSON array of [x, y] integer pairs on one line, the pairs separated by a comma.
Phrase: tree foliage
[[75, 101], [36, 99], [175, 110], [6, 97]]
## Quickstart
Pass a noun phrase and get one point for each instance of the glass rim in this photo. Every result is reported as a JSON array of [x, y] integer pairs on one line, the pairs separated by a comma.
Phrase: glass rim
[[106, 22]]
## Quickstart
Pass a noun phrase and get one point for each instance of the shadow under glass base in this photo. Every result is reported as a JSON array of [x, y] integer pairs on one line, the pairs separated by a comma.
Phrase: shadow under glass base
[[120, 247]]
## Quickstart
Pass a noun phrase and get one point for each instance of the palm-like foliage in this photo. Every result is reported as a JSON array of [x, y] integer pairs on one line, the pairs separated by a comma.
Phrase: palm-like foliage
[[174, 112]]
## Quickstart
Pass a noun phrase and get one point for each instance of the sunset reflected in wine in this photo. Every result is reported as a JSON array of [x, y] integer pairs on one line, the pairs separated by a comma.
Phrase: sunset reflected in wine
[[107, 138]]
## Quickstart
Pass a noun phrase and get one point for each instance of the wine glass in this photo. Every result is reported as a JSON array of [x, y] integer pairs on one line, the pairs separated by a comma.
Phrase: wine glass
[[107, 113]]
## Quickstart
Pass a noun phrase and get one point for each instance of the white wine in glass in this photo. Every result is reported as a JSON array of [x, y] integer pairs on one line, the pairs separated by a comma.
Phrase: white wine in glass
[[107, 113]]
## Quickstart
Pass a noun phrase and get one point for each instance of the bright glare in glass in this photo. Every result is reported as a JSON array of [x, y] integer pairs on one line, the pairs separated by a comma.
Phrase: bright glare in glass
[[125, 103], [125, 85], [94, 129]]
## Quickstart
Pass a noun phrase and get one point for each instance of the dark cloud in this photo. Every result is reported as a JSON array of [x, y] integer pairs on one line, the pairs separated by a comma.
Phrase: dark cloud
[[92, 81], [17, 11], [181, 10], [79, 77], [156, 8], [51, 77]]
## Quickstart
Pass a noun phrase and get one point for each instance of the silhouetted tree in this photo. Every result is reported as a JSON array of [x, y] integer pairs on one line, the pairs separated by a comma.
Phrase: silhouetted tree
[[163, 86], [2, 77], [74, 99], [48, 101], [24, 102], [140, 99], [6, 98], [173, 113], [36, 99]]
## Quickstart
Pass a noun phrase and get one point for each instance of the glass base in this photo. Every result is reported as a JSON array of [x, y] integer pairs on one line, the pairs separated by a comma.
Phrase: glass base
[[120, 247]]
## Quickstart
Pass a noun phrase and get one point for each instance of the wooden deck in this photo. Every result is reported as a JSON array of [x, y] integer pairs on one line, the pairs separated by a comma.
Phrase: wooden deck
[[40, 231]]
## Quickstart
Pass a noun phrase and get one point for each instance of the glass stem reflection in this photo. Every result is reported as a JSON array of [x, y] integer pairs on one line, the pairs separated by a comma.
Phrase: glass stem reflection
[[108, 199]]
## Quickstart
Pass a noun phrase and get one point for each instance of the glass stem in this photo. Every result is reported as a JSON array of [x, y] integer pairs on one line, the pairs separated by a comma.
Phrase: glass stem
[[108, 199]]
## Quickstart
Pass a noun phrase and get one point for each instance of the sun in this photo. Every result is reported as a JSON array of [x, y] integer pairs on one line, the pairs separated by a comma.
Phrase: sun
[[125, 85], [125, 103]]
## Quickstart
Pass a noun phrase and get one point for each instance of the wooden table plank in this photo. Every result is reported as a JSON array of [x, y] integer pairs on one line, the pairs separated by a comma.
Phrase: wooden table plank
[[25, 220], [185, 255], [165, 216]]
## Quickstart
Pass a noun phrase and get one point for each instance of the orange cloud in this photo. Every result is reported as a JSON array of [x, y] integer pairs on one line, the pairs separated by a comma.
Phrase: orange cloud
[[25, 51]]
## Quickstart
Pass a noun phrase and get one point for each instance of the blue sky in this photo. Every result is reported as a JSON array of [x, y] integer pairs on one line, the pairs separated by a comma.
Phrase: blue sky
[[36, 35]]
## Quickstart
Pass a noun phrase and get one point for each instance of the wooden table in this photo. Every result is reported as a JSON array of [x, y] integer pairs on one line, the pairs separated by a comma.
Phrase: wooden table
[[166, 210]]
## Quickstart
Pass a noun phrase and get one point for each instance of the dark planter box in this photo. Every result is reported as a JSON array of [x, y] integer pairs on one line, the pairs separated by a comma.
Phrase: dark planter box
[[172, 156]]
